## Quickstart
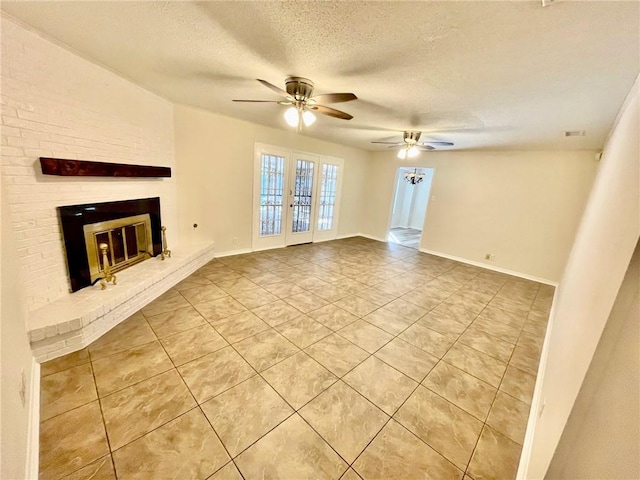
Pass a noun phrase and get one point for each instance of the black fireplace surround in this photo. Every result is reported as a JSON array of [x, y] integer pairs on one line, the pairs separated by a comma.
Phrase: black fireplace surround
[[74, 217]]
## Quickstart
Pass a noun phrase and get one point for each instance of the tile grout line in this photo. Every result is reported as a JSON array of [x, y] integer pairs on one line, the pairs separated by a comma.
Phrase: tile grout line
[[492, 403], [394, 337], [370, 268], [197, 406]]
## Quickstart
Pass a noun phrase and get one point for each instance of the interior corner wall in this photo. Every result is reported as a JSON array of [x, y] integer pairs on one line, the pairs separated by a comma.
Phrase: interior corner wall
[[15, 357], [602, 436], [599, 258], [421, 194], [215, 156], [522, 206], [402, 203], [57, 104]]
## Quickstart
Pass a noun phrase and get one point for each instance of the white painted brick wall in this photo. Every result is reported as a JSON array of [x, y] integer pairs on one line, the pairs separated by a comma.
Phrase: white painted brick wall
[[77, 320], [56, 104]]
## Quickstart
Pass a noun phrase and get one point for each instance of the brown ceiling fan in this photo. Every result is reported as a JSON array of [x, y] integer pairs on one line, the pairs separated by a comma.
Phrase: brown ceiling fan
[[299, 95], [411, 144]]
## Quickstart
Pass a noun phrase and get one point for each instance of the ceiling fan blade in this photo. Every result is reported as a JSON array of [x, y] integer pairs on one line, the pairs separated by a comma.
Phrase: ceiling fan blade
[[442, 144], [426, 147], [271, 86], [390, 143], [332, 112], [334, 97], [257, 101]]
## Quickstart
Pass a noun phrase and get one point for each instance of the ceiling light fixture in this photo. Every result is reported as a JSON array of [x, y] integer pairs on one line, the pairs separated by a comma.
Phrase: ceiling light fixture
[[299, 97], [408, 151], [291, 116], [295, 116], [411, 144], [308, 118], [414, 177]]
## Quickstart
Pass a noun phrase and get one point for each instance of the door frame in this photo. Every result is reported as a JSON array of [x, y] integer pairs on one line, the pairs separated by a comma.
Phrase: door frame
[[280, 240], [271, 241], [332, 233], [397, 178], [297, 238]]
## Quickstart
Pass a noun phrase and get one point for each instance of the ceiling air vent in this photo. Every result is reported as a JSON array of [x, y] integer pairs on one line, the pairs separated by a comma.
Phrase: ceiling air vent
[[573, 133]]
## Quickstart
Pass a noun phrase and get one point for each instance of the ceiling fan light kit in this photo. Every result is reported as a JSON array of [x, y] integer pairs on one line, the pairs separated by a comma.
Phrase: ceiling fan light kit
[[411, 146], [298, 95], [308, 118], [410, 151], [296, 116]]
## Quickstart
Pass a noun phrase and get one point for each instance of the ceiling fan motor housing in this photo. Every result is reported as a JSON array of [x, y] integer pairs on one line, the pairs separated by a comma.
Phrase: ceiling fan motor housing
[[412, 137], [299, 88]]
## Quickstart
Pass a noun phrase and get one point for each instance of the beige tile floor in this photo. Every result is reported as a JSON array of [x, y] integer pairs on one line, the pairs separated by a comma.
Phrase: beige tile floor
[[346, 359], [409, 237]]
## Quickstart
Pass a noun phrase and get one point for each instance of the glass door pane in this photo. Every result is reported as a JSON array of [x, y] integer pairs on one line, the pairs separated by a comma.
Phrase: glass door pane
[[328, 187], [302, 196], [271, 194]]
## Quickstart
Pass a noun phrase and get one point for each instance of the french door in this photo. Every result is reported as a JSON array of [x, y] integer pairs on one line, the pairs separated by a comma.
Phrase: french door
[[302, 198], [296, 197], [328, 204]]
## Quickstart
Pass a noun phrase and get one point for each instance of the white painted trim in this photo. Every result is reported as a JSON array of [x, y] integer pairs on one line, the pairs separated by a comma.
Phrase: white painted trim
[[33, 432], [230, 253], [261, 249], [332, 233], [321, 240], [491, 267], [298, 238], [537, 403], [272, 241], [371, 237]]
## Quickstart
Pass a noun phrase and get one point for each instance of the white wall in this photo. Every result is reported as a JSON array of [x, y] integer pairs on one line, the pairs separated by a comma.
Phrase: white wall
[[524, 207], [215, 158], [421, 193], [56, 104], [602, 437], [410, 204], [402, 203], [608, 233], [15, 357]]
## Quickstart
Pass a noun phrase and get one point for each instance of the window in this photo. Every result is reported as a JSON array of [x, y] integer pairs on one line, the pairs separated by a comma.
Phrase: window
[[303, 196], [271, 195], [328, 186]]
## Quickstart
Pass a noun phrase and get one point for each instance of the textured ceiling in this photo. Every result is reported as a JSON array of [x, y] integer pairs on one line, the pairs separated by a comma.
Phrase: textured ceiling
[[484, 75]]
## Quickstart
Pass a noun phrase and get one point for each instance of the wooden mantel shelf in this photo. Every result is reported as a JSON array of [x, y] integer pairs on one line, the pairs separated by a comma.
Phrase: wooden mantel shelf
[[84, 168]]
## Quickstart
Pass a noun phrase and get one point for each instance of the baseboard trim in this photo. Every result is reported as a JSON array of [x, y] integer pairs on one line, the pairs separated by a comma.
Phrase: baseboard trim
[[536, 402], [322, 240], [33, 438], [230, 253], [491, 267], [349, 235], [275, 247], [371, 237]]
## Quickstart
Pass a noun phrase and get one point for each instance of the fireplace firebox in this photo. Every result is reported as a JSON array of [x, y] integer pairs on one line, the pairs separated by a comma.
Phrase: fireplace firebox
[[130, 228]]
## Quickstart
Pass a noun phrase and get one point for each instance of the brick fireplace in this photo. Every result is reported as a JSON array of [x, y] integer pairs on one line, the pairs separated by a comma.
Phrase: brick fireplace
[[130, 229], [56, 104]]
